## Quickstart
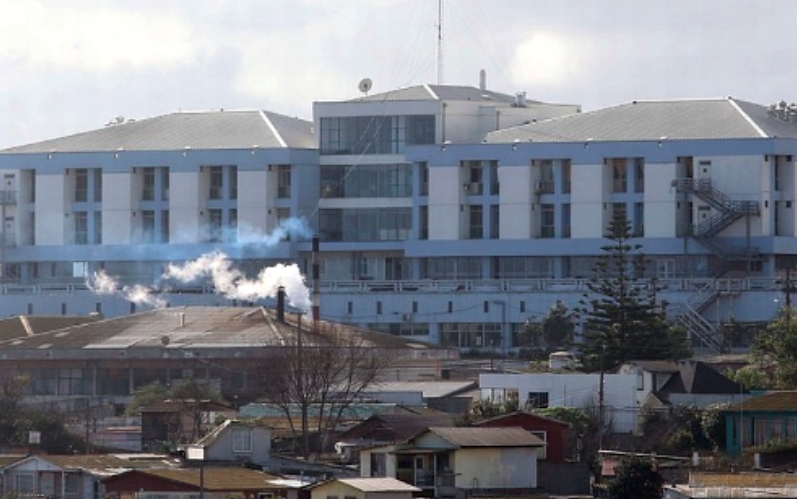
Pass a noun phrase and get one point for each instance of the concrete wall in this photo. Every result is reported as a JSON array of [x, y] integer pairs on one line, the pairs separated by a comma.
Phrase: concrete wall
[[119, 202], [256, 194], [51, 210], [187, 199], [660, 200], [517, 199], [587, 211], [496, 468], [446, 196]]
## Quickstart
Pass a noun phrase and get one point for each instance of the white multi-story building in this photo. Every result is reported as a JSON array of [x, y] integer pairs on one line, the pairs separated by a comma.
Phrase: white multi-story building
[[448, 213]]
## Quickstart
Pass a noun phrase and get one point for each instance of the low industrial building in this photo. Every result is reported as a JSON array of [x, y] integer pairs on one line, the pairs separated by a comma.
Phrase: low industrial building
[[102, 363]]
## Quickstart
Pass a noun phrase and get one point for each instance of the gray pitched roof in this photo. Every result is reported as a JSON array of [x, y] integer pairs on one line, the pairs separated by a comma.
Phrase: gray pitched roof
[[429, 389], [656, 120], [441, 92], [488, 437], [191, 327], [27, 325], [395, 427], [698, 377], [783, 401], [178, 131]]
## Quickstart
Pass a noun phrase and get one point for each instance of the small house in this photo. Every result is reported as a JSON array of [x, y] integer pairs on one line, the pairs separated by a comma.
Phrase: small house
[[72, 476], [363, 488], [447, 461], [554, 433], [233, 441], [388, 427], [759, 420], [210, 482], [176, 421]]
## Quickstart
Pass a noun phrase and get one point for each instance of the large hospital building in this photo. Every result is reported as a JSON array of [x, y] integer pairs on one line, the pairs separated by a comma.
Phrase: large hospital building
[[449, 213]]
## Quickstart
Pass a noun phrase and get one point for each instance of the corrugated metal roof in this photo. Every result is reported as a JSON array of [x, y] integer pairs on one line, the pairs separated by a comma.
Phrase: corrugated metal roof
[[429, 389], [488, 437], [104, 464], [215, 479], [657, 366], [523, 414], [178, 131], [181, 405], [653, 121], [26, 325], [396, 427], [381, 484], [769, 402], [194, 327], [6, 459]]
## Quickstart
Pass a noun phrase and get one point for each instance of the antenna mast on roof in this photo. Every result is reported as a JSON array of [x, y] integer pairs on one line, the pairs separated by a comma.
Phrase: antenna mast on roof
[[439, 42]]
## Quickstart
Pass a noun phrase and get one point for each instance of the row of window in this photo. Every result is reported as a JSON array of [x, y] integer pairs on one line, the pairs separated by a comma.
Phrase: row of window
[[353, 181], [363, 181], [356, 225], [155, 183], [375, 134], [109, 381]]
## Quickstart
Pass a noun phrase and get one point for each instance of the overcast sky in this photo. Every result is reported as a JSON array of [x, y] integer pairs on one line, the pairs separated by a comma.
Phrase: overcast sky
[[71, 66]]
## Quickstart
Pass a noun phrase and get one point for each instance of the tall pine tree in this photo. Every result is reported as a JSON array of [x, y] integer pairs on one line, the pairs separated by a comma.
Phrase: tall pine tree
[[623, 320]]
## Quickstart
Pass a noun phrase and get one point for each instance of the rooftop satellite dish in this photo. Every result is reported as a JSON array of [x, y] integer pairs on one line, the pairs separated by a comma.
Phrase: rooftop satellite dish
[[165, 340], [365, 85]]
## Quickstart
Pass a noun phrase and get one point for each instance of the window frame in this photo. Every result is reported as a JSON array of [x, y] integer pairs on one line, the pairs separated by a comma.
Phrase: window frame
[[242, 440]]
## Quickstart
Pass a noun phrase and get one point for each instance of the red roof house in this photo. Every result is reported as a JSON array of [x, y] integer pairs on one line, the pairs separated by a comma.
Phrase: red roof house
[[550, 431]]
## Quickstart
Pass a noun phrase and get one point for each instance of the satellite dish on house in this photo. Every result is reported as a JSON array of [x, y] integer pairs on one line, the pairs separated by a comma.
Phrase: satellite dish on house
[[165, 340], [365, 85]]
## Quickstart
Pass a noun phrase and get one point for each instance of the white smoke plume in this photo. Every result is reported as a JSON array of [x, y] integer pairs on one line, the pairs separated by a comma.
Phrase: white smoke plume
[[142, 295], [294, 227], [227, 281], [103, 284], [232, 284]]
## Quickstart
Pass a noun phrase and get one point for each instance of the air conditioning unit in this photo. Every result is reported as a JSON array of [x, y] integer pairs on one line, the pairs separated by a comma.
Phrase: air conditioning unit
[[406, 318], [539, 187]]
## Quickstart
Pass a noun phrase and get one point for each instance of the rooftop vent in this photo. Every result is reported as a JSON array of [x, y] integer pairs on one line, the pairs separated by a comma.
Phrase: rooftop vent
[[783, 111]]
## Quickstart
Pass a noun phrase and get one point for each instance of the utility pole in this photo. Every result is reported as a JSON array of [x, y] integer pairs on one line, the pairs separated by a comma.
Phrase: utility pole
[[600, 398], [300, 383], [439, 42]]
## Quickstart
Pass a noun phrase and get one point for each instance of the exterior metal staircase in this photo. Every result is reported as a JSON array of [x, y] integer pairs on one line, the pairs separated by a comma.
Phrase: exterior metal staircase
[[689, 315], [727, 211], [684, 315]]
